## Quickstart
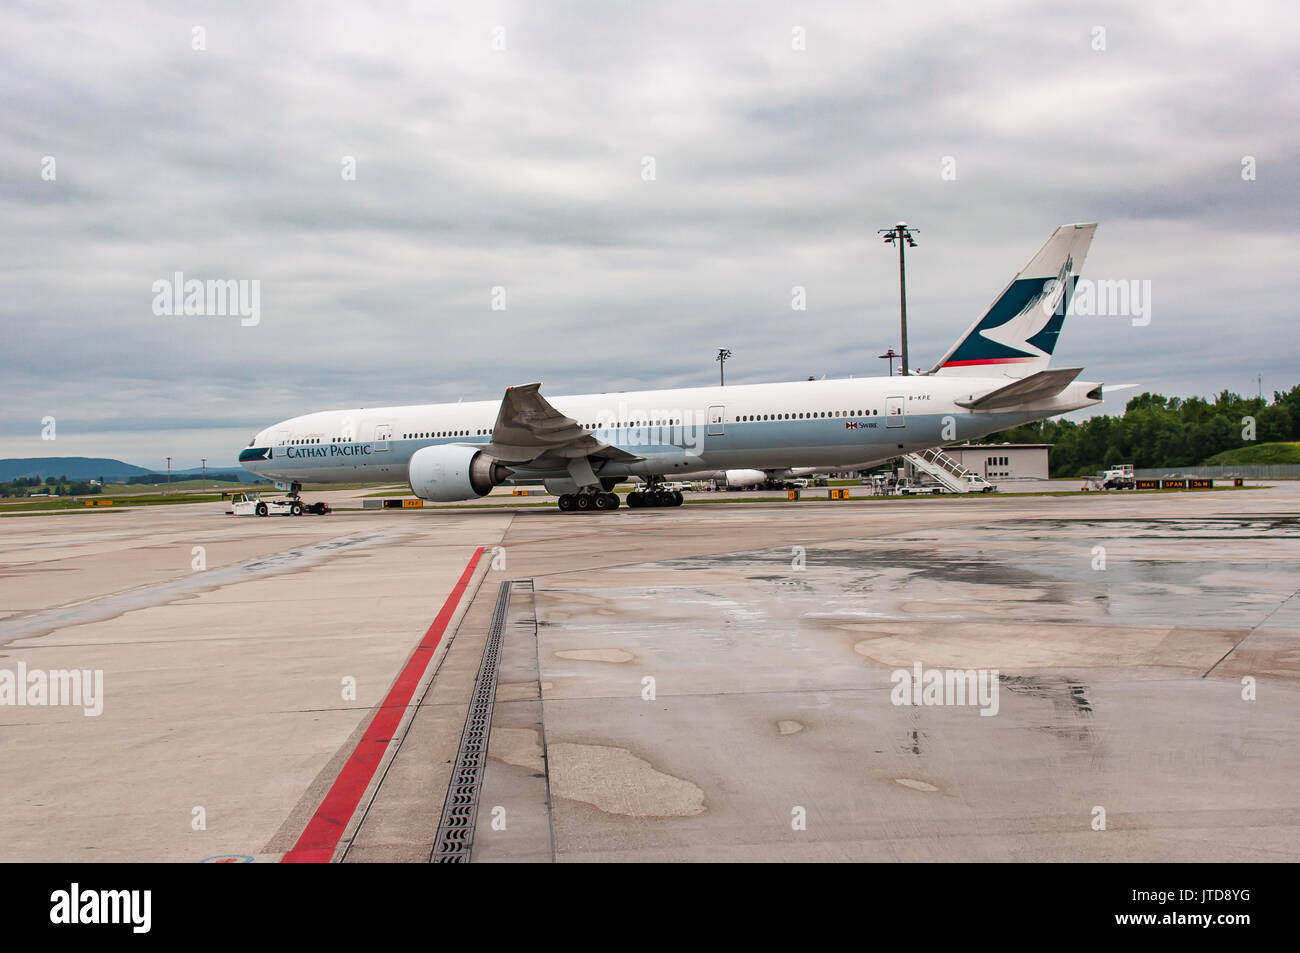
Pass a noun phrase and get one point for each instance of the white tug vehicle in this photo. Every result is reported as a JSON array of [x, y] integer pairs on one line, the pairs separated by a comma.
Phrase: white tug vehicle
[[252, 504]]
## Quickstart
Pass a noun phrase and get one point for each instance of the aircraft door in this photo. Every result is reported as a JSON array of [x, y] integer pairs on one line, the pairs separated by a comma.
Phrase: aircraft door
[[717, 421], [895, 412]]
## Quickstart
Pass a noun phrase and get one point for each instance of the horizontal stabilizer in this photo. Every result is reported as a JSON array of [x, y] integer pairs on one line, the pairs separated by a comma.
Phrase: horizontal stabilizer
[[1027, 390]]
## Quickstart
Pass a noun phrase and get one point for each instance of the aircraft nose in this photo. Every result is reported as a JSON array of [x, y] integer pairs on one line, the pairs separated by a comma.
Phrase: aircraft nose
[[259, 448]]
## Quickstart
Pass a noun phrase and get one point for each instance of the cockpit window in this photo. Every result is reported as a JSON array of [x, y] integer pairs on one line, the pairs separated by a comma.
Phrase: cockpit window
[[253, 441]]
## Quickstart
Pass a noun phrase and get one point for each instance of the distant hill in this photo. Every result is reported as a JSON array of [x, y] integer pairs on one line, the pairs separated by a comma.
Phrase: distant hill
[[1260, 453], [75, 468], [92, 468]]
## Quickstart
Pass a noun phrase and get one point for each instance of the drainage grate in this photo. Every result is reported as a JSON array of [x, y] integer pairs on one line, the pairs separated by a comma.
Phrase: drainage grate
[[456, 832]]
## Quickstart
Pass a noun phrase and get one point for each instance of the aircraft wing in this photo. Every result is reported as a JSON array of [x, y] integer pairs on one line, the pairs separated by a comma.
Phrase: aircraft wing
[[1038, 386], [530, 431]]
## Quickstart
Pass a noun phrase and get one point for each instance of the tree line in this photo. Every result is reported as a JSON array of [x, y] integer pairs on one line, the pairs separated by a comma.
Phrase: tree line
[[1158, 431], [54, 486]]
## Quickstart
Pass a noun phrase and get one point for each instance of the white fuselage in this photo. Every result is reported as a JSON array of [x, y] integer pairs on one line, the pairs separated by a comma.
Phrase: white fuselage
[[760, 426]]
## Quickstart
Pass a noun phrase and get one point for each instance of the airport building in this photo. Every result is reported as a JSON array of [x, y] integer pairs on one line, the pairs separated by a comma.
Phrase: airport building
[[999, 461], [1004, 461]]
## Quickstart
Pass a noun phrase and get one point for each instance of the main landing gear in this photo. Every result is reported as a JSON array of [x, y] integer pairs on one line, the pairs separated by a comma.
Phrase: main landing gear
[[597, 498], [589, 500], [655, 495], [638, 498]]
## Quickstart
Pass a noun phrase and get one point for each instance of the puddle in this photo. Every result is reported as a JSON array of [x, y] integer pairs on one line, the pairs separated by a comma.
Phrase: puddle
[[100, 609]]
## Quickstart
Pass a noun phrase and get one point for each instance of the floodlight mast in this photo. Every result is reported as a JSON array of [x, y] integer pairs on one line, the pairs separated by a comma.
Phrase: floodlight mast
[[901, 235]]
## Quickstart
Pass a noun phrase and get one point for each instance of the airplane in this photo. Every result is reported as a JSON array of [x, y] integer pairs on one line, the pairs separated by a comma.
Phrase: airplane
[[997, 375]]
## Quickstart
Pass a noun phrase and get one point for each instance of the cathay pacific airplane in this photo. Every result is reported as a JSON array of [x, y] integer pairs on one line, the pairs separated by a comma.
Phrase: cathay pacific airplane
[[996, 376]]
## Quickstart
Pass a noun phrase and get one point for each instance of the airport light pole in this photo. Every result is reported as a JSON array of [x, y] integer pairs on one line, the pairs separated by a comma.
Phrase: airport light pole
[[723, 354], [901, 235], [169, 471], [890, 354]]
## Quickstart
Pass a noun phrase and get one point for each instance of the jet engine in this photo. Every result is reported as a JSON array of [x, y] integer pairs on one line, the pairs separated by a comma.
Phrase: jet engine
[[449, 473], [745, 477]]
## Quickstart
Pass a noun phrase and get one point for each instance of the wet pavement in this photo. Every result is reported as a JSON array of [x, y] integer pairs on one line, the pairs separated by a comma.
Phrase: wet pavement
[[704, 683]]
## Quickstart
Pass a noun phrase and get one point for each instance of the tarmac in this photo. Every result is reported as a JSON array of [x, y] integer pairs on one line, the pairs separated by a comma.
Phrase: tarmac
[[702, 683]]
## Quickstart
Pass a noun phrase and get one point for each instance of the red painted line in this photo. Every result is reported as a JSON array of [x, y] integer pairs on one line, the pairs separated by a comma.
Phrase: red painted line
[[321, 836]]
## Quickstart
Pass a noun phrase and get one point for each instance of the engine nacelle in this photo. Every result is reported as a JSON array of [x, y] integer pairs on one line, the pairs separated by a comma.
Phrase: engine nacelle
[[745, 477], [449, 473]]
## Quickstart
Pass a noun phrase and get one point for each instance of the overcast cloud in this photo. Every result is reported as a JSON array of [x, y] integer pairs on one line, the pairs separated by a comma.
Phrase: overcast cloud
[[522, 168]]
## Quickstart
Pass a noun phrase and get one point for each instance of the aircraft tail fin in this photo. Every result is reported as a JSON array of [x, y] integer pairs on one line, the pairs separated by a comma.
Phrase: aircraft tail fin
[[1017, 334]]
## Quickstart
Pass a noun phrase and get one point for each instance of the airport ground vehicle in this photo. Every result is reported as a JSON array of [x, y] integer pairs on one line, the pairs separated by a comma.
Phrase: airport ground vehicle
[[906, 487], [1118, 477], [252, 504]]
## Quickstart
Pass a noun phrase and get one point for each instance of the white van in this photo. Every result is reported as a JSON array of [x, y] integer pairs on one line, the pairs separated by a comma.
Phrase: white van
[[977, 484]]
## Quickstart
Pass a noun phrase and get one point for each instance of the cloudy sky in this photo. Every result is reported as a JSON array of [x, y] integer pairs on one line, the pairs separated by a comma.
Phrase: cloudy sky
[[505, 145]]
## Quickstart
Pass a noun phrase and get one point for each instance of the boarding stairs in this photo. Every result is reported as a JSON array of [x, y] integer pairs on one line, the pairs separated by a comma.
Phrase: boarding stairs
[[942, 468]]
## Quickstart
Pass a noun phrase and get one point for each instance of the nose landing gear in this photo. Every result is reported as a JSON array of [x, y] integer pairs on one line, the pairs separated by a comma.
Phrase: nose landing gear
[[297, 507]]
